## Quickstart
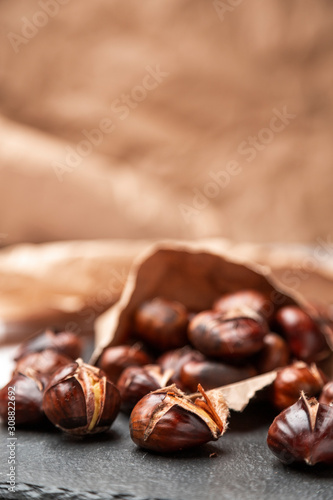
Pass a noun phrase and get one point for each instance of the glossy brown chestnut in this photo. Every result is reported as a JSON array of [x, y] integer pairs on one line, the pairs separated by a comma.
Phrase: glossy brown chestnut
[[80, 399], [25, 401], [211, 374], [114, 360], [234, 335], [66, 343], [274, 354], [293, 379], [303, 433], [326, 396], [166, 420], [44, 363], [162, 324], [175, 360], [137, 381], [303, 334], [245, 298]]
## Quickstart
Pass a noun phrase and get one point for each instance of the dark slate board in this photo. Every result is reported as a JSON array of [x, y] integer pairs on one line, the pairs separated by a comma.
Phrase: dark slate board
[[54, 466]]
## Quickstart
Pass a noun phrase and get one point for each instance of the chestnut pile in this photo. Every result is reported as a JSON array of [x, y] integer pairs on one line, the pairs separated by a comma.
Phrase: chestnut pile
[[173, 353], [242, 336]]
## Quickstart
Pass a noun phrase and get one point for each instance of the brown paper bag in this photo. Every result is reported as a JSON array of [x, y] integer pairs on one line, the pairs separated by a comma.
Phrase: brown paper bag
[[195, 275]]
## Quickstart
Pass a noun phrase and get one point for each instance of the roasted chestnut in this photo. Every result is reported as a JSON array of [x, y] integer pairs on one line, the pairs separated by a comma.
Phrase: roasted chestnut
[[293, 379], [175, 360], [303, 433], [234, 335], [44, 363], [66, 343], [115, 359], [166, 420], [162, 324], [304, 336], [137, 381], [245, 298], [80, 399], [211, 374], [22, 398], [275, 353], [326, 396]]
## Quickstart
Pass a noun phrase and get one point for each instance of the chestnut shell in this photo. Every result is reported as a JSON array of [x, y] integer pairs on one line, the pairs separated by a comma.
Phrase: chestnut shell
[[177, 430], [250, 298], [304, 336], [235, 335], [28, 400], [166, 420], [303, 433], [79, 399], [114, 360], [66, 343], [162, 324]]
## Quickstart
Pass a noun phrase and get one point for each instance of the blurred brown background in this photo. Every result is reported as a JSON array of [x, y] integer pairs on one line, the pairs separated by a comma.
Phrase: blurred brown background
[[166, 119]]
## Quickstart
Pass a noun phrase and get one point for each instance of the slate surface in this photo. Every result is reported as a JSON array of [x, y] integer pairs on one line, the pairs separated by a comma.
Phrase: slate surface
[[52, 465]]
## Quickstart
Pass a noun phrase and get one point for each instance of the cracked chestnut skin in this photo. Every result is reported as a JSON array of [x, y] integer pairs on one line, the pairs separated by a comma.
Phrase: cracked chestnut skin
[[251, 298], [303, 433], [80, 399], [167, 421], [230, 336], [44, 363], [66, 343]]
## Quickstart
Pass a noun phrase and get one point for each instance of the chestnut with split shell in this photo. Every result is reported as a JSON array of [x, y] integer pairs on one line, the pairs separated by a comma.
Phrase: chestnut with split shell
[[234, 335], [66, 343], [44, 363], [251, 298], [303, 433], [137, 381], [80, 399], [167, 420]]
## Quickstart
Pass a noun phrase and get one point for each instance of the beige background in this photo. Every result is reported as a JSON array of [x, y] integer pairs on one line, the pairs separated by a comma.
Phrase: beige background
[[226, 74]]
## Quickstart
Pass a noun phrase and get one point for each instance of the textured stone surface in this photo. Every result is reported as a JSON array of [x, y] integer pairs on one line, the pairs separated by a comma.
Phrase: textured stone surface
[[51, 465]]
